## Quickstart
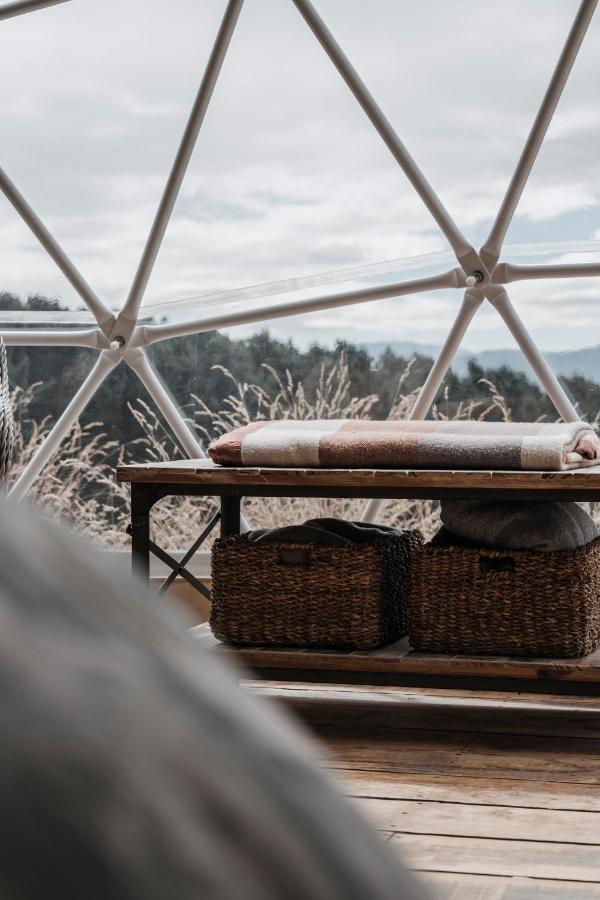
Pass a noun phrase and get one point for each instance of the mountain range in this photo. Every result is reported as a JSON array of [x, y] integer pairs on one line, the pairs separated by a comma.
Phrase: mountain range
[[585, 361]]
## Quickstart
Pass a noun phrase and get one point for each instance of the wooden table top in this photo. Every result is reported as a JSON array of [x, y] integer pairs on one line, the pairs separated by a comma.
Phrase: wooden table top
[[205, 472]]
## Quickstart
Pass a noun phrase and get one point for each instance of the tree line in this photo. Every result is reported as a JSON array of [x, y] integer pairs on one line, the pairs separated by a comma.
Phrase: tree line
[[193, 365]]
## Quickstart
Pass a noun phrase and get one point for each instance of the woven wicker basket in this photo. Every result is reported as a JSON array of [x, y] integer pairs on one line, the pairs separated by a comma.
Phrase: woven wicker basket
[[6, 419], [514, 603], [304, 595]]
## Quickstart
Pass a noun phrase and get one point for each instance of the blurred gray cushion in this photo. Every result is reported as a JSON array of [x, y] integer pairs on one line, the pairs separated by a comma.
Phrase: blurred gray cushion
[[504, 524]]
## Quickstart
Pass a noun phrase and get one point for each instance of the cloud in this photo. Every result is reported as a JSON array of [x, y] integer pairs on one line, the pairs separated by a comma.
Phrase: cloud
[[288, 178]]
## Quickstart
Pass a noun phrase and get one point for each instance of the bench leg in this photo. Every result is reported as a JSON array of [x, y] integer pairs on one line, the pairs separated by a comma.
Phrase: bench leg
[[230, 516], [143, 498]]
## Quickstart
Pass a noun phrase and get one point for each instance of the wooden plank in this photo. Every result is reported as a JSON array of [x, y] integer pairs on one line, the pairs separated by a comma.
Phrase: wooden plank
[[206, 473], [417, 752], [573, 760], [447, 886], [517, 757], [385, 835], [486, 856], [468, 790], [384, 700], [384, 693], [477, 820], [443, 714], [399, 659]]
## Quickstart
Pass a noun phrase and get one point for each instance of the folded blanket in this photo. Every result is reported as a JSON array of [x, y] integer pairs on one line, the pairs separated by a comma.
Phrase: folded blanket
[[339, 443]]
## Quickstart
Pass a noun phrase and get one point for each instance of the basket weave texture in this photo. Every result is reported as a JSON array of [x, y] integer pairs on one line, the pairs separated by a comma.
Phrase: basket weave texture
[[6, 419], [336, 597], [509, 602]]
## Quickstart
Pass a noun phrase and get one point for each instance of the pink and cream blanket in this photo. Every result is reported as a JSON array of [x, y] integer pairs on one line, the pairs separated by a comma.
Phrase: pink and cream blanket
[[339, 443]]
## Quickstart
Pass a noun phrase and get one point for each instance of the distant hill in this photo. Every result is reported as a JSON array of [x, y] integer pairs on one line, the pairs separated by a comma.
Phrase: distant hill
[[585, 361]]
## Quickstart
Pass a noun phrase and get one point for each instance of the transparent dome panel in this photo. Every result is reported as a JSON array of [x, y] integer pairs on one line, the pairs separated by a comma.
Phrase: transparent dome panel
[[288, 179], [461, 82], [77, 486], [94, 98], [288, 292], [33, 290], [380, 353], [561, 201], [561, 314], [553, 253], [340, 363], [409, 321], [43, 382]]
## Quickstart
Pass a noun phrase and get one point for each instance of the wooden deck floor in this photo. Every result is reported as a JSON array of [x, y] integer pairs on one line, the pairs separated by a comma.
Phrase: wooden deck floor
[[487, 796]]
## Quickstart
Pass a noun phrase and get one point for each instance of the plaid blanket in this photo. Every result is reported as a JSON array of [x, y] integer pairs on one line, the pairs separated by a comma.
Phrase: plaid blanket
[[339, 443]]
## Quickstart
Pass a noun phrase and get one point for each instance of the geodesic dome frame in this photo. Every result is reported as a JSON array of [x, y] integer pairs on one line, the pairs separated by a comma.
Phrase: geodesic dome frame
[[481, 274]]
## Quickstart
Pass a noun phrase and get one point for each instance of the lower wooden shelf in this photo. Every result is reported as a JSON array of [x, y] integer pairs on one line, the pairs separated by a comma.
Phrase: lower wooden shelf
[[398, 664]]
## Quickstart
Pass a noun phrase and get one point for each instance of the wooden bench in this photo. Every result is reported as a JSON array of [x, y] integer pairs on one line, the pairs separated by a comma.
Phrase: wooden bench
[[397, 663]]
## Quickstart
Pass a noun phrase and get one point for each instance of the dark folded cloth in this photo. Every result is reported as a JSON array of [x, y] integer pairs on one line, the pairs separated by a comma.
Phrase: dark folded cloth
[[444, 538], [326, 532], [543, 526]]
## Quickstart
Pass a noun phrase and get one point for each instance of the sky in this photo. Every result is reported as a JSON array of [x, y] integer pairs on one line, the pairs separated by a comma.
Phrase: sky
[[288, 178]]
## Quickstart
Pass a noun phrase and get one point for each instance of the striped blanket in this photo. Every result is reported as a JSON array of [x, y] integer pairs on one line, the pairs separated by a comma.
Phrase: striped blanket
[[339, 443]]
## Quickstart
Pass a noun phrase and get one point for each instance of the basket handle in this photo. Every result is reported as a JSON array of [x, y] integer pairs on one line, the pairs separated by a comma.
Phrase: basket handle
[[293, 557], [494, 565]]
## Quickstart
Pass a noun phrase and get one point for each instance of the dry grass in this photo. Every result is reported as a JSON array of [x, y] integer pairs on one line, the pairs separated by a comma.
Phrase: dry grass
[[78, 487]]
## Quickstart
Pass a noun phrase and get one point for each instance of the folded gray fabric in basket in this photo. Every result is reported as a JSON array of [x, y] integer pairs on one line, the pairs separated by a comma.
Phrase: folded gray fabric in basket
[[326, 532], [504, 524]]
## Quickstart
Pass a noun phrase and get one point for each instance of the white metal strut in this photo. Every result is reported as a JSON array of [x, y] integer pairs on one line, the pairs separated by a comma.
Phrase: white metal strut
[[120, 337]]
